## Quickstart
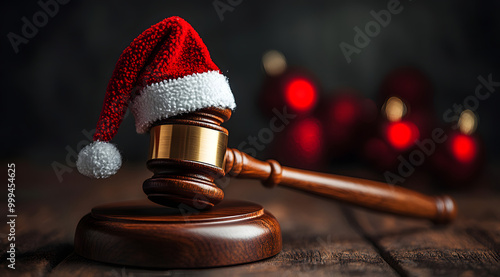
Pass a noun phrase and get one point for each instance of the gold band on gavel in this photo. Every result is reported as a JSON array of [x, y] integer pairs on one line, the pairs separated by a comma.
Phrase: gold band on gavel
[[187, 142]]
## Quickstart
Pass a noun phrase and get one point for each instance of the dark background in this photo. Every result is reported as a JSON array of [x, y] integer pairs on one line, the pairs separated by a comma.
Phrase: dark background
[[54, 86]]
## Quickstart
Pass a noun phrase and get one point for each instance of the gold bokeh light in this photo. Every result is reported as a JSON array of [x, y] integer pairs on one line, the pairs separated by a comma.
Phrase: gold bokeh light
[[274, 62], [467, 123], [394, 109]]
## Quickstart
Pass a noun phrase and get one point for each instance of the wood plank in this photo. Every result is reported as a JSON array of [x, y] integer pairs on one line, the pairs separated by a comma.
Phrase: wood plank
[[316, 238], [38, 262], [481, 220], [40, 245], [418, 248], [48, 211]]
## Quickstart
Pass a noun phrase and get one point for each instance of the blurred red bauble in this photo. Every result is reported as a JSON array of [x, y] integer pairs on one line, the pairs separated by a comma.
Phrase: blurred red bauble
[[285, 86], [402, 135], [396, 133], [391, 140], [295, 88], [347, 120], [464, 148], [380, 154], [301, 144], [300, 94], [459, 160], [410, 85], [306, 134], [407, 94]]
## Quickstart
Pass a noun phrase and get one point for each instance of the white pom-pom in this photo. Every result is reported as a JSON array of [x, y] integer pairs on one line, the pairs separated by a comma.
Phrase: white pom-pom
[[99, 160]]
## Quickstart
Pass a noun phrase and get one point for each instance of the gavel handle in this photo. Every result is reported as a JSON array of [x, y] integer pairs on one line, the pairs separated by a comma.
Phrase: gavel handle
[[364, 193]]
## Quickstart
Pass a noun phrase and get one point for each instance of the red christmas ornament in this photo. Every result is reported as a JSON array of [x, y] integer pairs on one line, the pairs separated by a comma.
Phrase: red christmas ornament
[[347, 119], [464, 148], [400, 128], [410, 85], [402, 135], [407, 117], [295, 88], [460, 158], [380, 154], [300, 94], [301, 144]]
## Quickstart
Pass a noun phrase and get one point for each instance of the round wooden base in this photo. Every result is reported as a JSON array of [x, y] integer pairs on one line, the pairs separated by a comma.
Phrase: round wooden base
[[145, 234]]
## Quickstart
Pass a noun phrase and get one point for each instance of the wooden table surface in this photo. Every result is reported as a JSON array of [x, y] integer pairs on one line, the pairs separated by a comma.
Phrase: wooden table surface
[[320, 237]]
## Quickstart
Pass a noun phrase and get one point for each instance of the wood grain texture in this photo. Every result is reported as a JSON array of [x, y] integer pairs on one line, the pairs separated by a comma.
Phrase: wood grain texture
[[364, 193], [420, 249], [481, 221], [42, 239], [318, 239], [149, 235], [38, 261]]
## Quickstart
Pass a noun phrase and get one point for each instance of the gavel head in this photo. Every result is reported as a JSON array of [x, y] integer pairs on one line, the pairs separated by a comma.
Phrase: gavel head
[[187, 153]]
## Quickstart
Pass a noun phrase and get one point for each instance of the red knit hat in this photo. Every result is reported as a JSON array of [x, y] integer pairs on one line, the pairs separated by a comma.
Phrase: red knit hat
[[164, 72]]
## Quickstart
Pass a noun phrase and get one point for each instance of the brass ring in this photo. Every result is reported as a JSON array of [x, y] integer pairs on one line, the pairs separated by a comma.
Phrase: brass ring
[[187, 142]]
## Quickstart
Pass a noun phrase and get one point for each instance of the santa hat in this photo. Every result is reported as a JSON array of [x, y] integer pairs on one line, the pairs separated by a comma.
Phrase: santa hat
[[164, 72]]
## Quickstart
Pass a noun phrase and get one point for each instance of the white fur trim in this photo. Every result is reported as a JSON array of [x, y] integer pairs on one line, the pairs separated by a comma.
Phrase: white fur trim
[[173, 97], [99, 160]]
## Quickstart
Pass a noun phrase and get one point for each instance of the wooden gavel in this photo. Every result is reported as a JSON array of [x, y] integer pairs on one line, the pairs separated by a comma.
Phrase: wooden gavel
[[189, 152]]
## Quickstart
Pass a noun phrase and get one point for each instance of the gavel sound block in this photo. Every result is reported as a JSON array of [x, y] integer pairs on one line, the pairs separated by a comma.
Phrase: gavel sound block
[[186, 227]]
